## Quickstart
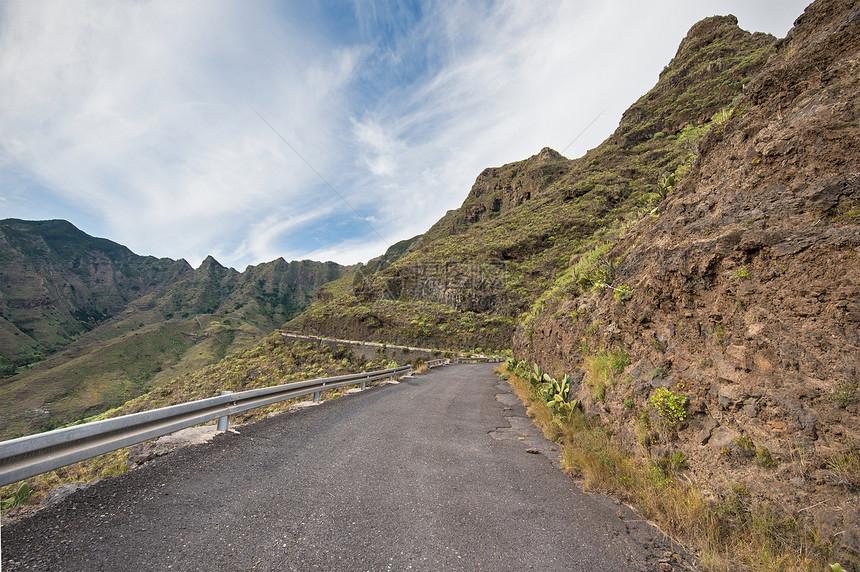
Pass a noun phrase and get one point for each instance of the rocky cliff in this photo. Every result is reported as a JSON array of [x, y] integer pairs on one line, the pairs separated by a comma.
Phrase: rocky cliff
[[707, 249], [696, 275], [742, 293], [468, 279]]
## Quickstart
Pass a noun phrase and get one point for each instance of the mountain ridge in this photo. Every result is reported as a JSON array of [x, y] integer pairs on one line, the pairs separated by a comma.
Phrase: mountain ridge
[[86, 324], [703, 255], [468, 279], [741, 295]]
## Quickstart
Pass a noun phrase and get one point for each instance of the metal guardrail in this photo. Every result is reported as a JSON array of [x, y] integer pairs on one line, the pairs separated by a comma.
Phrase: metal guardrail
[[35, 454], [297, 336], [480, 360], [437, 362]]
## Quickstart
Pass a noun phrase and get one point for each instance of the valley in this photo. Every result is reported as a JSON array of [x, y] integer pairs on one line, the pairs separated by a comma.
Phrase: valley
[[90, 325]]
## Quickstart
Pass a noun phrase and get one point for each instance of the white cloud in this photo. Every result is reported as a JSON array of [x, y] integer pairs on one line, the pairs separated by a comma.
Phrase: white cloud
[[348, 252], [262, 241], [380, 148], [140, 119], [515, 76], [124, 108]]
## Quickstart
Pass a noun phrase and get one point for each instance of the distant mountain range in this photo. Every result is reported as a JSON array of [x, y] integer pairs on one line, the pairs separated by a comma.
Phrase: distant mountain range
[[86, 324]]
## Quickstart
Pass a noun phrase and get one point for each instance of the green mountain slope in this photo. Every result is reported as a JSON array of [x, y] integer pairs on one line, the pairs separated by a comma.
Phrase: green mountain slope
[[146, 320], [696, 276], [467, 281], [740, 300], [57, 283]]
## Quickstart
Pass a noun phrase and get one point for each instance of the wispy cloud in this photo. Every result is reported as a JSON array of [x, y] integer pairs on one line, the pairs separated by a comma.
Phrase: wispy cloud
[[138, 121], [378, 148]]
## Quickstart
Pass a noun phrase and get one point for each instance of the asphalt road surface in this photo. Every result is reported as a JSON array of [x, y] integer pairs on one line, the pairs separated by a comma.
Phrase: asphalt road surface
[[430, 474]]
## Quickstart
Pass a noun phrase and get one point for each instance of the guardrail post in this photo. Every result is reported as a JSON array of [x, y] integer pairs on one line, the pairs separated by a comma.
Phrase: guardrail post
[[222, 421], [364, 383], [317, 395]]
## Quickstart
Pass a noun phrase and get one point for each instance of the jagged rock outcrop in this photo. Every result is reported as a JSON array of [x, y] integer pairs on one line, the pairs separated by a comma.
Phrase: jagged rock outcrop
[[715, 60], [499, 189], [746, 291], [467, 280]]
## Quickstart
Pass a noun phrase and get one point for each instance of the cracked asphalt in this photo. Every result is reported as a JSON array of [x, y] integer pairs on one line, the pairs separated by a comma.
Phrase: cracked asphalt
[[431, 474]]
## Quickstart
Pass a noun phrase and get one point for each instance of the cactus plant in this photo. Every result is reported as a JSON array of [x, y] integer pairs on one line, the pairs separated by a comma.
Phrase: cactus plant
[[20, 498]]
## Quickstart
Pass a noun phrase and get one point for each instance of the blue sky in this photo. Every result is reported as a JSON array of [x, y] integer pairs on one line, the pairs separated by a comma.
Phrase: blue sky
[[252, 130]]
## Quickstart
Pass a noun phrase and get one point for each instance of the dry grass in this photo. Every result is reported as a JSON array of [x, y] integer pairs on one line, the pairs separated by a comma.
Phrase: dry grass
[[728, 533], [100, 467]]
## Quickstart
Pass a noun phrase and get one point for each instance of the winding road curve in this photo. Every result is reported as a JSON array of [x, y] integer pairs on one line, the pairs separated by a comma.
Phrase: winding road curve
[[430, 474]]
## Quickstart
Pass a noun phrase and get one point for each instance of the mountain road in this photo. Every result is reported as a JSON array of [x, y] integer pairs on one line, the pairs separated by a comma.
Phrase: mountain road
[[439, 472]]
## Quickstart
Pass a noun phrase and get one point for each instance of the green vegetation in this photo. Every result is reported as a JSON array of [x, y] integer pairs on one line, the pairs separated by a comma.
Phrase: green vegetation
[[669, 406], [843, 468], [741, 273], [115, 364], [557, 396], [273, 361], [745, 446], [402, 320], [679, 461], [20, 498], [623, 293], [728, 530], [720, 334], [156, 320], [555, 393], [764, 458], [845, 393], [533, 249], [107, 465], [534, 234], [602, 368]]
